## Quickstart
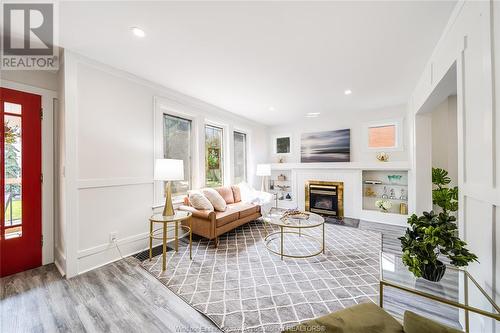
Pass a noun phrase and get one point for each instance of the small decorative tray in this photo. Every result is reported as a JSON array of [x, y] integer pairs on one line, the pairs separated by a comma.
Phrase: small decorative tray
[[294, 214]]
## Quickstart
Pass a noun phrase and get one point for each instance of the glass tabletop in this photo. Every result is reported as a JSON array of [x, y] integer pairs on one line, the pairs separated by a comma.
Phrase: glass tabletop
[[308, 220], [456, 286], [179, 215]]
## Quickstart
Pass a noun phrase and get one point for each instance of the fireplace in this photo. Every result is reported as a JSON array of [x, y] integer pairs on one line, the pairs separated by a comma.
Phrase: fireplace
[[325, 198]]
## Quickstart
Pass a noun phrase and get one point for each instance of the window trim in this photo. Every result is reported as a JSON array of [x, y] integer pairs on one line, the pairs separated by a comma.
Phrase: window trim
[[245, 178], [397, 123], [192, 129], [163, 106]]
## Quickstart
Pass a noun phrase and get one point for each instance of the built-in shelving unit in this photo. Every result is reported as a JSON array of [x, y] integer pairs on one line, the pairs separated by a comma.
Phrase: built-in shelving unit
[[280, 184], [389, 185]]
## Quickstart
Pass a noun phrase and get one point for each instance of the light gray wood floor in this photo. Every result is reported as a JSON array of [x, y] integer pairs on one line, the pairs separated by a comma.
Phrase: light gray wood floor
[[119, 297], [122, 297]]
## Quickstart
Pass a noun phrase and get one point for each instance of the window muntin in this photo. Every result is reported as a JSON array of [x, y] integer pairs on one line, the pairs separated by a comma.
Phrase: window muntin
[[240, 157], [214, 156], [177, 144]]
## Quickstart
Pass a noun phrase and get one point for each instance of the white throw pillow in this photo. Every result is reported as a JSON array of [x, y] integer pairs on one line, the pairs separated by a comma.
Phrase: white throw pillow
[[247, 192], [199, 201], [215, 199]]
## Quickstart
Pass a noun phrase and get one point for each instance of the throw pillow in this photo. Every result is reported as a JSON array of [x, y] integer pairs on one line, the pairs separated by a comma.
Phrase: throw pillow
[[199, 201], [413, 323], [236, 193], [215, 199], [226, 193]]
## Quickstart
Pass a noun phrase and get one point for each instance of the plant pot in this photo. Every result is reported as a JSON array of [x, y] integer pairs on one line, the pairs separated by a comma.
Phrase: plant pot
[[434, 273]]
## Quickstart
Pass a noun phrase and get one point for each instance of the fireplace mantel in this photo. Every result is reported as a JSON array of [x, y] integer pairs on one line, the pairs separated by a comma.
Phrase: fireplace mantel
[[403, 166]]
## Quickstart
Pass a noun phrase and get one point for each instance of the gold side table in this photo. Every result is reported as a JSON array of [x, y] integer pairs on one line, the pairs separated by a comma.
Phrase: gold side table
[[166, 221]]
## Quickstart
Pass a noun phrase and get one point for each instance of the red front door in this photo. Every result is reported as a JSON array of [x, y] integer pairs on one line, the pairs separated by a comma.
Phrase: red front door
[[20, 185]]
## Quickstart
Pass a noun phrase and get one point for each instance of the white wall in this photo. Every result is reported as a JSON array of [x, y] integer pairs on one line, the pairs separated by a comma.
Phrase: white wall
[[471, 41], [444, 138], [109, 155], [41, 79], [356, 121]]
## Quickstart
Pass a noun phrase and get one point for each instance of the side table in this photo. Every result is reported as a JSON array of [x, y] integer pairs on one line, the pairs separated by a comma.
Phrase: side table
[[175, 219]]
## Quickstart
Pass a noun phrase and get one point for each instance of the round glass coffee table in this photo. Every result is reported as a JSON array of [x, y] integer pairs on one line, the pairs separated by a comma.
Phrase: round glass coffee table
[[291, 226]]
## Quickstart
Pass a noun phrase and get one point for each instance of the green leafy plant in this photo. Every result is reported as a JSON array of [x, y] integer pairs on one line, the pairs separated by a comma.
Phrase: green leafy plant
[[444, 197], [432, 235]]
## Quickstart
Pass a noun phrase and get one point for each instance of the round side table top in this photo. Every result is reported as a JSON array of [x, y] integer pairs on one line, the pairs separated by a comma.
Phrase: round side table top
[[178, 216]]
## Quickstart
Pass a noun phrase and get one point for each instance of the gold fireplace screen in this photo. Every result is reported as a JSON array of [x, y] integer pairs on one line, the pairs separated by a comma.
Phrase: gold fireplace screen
[[333, 188]]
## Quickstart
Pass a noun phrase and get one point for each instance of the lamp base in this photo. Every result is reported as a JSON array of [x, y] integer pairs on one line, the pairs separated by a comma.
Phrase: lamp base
[[168, 210]]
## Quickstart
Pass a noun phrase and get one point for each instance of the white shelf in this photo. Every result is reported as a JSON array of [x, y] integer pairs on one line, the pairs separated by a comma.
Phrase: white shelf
[[396, 166]]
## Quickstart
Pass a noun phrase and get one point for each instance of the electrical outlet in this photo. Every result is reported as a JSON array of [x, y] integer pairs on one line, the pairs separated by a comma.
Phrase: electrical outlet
[[113, 237]]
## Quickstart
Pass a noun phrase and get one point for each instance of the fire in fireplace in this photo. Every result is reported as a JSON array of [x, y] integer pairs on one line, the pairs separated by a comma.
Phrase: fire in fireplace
[[325, 198]]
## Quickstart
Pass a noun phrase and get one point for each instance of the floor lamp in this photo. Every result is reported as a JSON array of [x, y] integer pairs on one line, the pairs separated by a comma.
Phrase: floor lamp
[[263, 170]]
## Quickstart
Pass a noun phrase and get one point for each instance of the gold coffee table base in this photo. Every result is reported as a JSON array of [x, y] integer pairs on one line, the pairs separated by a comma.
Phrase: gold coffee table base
[[282, 232]]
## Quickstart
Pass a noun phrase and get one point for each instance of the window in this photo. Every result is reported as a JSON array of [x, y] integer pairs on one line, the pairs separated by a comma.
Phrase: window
[[177, 145], [214, 170], [240, 157], [384, 135]]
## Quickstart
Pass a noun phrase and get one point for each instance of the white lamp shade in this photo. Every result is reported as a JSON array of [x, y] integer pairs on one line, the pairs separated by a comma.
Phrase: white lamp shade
[[166, 169], [263, 170]]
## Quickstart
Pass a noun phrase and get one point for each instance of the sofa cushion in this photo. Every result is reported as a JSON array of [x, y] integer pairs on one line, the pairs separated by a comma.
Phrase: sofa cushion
[[222, 218], [226, 193], [199, 201], [245, 209], [413, 323], [236, 193], [361, 318], [215, 199]]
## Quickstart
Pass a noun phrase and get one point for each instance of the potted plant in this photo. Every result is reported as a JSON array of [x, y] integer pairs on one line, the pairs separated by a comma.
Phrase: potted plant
[[433, 235]]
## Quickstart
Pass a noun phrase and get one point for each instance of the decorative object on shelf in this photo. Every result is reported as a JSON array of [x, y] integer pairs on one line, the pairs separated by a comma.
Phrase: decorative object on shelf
[[373, 182], [288, 196], [383, 205], [168, 170], [329, 146], [403, 208], [282, 187], [393, 195], [432, 235], [394, 179], [383, 157], [281, 159], [263, 170], [282, 177], [403, 194], [271, 184], [384, 195], [369, 192]]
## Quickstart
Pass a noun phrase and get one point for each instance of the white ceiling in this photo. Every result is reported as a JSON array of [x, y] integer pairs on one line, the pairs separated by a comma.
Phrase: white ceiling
[[245, 57]]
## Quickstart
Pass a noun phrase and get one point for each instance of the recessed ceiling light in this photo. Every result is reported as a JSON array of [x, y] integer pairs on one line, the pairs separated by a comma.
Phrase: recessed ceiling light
[[347, 92], [312, 114], [271, 108], [138, 32]]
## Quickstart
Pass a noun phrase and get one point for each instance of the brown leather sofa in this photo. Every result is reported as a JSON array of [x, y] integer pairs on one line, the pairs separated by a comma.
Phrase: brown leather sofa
[[211, 224]]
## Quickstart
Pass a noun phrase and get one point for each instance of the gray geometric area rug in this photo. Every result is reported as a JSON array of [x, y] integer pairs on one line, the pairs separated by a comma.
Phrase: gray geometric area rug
[[243, 287]]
